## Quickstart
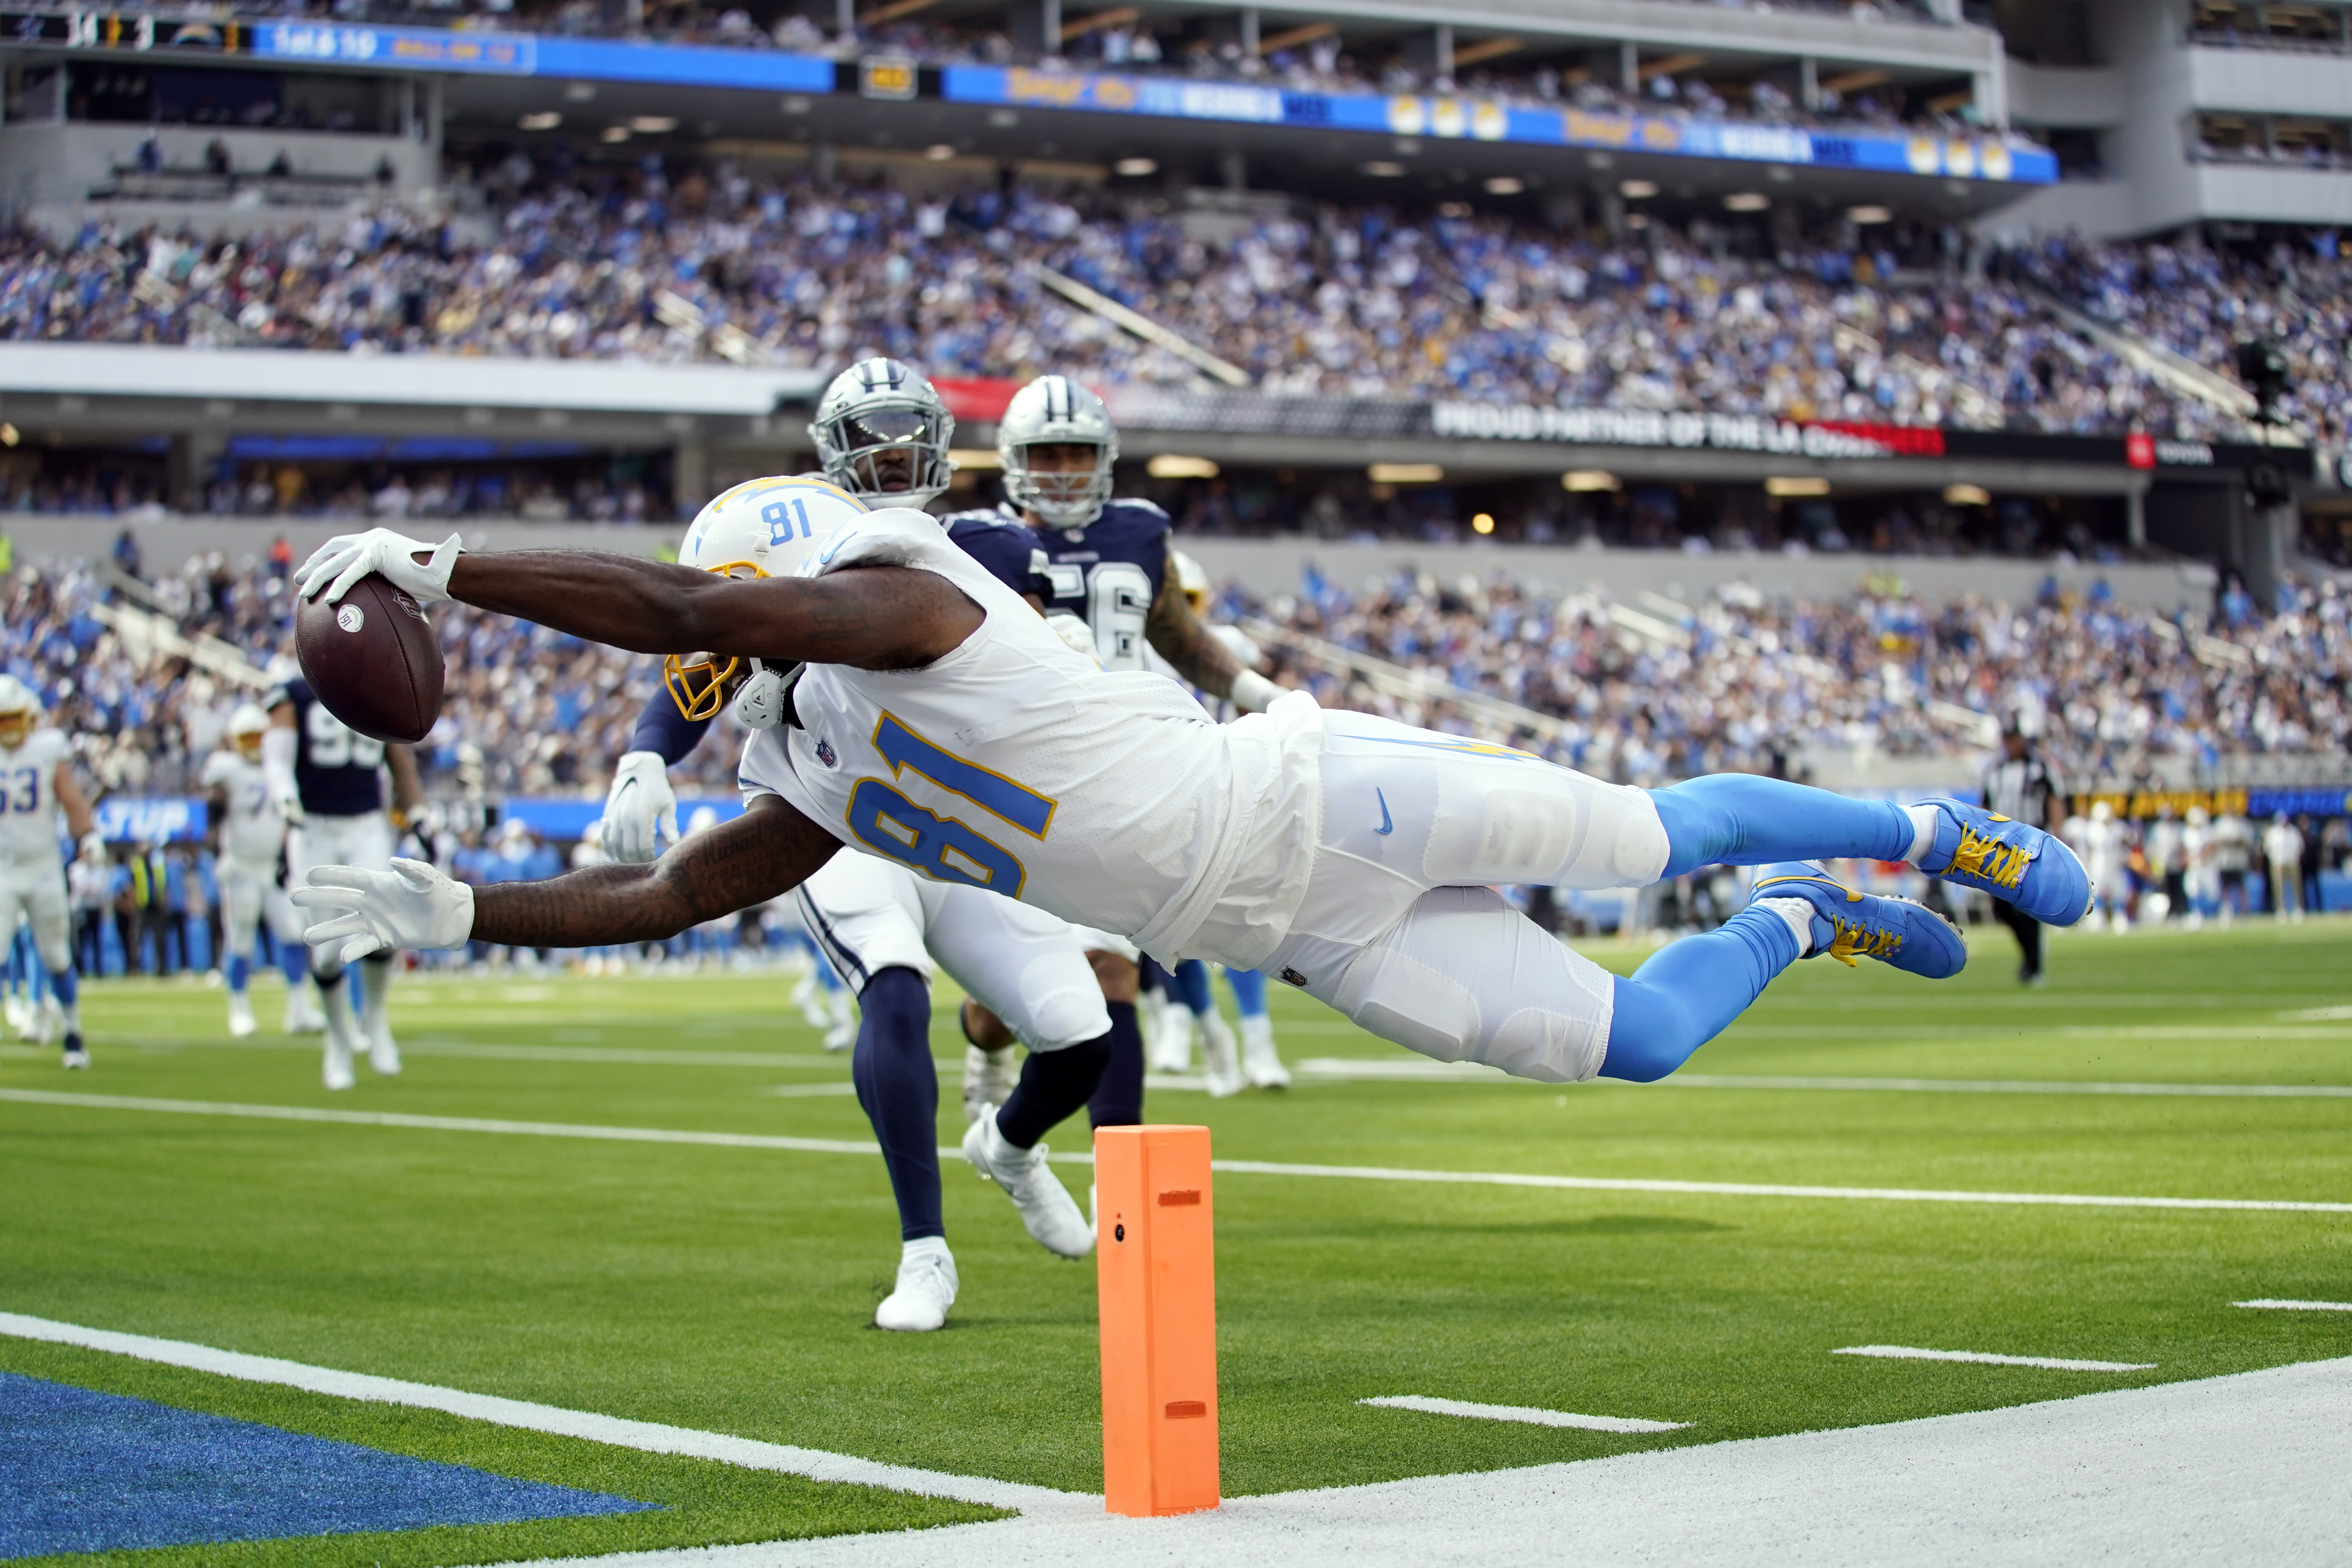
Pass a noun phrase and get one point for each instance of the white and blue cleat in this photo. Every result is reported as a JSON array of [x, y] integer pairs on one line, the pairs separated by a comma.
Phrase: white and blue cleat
[[2024, 866], [1849, 923]]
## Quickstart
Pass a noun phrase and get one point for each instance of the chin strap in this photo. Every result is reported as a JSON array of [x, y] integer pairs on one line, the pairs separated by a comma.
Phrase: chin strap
[[766, 699]]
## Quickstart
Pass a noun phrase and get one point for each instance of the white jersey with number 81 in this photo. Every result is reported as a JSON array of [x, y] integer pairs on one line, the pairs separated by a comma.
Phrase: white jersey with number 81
[[1015, 765]]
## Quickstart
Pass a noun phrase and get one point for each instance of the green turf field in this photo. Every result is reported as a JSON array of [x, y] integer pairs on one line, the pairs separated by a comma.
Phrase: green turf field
[[731, 1289]]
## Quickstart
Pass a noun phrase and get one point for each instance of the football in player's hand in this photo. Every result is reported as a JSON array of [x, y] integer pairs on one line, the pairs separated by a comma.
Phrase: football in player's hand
[[373, 659]]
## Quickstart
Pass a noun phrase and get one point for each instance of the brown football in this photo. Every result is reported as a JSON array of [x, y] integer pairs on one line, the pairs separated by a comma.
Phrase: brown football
[[373, 659]]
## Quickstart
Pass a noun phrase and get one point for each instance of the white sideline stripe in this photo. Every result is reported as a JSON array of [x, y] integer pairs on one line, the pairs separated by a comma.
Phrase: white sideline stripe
[[2054, 1363], [2299, 1306], [809, 1091], [1231, 1167], [1526, 1413], [1416, 1070], [2315, 1014], [646, 1436], [445, 1123]]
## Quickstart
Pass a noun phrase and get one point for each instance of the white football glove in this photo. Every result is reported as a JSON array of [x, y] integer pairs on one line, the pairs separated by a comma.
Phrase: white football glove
[[639, 809], [348, 557], [1079, 636], [412, 905], [91, 850], [1254, 693]]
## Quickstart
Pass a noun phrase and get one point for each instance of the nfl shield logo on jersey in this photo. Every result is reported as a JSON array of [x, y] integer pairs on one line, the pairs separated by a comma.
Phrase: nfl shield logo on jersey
[[824, 753]]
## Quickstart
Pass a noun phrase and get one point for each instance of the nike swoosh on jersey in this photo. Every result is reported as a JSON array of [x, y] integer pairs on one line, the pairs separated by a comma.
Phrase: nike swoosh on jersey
[[1386, 827]]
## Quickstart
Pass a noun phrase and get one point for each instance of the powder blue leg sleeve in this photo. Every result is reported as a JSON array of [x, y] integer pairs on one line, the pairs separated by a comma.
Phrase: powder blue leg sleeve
[[1192, 978], [1249, 991], [66, 985], [1690, 991], [1740, 819]]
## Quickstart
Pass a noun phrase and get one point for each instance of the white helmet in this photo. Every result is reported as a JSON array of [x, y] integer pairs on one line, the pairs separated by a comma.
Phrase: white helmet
[[1191, 580], [875, 411], [763, 528], [20, 710], [1054, 410], [247, 720]]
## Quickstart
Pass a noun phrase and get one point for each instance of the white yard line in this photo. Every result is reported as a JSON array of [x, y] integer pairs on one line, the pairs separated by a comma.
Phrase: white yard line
[[648, 1437], [2246, 1468], [2298, 1306], [2051, 1364], [1521, 1412], [1230, 1167]]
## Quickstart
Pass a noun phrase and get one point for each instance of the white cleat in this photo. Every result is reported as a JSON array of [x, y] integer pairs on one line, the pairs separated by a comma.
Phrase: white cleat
[[918, 1303], [383, 1051], [1219, 1057], [1047, 1211], [240, 1015], [342, 1031], [1260, 1064], [49, 1022], [988, 1080], [76, 1058], [303, 1014], [809, 997], [842, 1033], [19, 1016], [1169, 1048]]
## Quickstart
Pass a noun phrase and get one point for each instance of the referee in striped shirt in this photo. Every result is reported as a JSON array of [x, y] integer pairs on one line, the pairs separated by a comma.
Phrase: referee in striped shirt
[[2023, 786]]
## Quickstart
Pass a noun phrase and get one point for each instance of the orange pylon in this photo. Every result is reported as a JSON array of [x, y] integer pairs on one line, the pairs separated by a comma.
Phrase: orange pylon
[[1156, 1268]]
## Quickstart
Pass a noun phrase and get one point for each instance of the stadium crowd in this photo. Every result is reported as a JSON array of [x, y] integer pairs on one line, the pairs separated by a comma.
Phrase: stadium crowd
[[1748, 683], [646, 261], [1745, 682]]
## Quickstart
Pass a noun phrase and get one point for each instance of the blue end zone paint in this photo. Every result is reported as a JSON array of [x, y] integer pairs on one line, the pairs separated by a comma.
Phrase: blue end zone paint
[[98, 1472]]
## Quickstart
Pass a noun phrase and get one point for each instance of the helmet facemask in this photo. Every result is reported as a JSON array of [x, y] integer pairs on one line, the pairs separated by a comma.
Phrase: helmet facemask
[[888, 448], [1062, 498], [15, 725], [701, 683]]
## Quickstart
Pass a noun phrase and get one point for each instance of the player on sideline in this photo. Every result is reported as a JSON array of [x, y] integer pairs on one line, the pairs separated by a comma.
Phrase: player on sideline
[[326, 780], [1107, 563], [882, 431], [938, 723], [248, 833], [37, 782]]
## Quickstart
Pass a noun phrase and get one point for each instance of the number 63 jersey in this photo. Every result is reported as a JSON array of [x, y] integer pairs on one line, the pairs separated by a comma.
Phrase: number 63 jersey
[[1109, 798], [28, 799]]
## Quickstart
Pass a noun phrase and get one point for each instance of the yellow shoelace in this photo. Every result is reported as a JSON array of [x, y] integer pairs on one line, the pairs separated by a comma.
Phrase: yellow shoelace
[[1853, 940], [2003, 865]]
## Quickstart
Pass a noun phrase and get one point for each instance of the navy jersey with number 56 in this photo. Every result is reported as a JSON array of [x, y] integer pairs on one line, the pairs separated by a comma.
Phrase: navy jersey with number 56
[[334, 764], [1107, 573]]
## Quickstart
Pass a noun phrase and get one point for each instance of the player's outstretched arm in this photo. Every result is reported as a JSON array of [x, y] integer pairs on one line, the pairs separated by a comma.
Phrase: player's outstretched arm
[[872, 617], [1181, 638], [768, 851]]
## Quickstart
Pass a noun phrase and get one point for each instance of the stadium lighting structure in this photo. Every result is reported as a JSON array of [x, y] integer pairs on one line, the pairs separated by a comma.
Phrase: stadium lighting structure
[[1746, 202], [1406, 474], [1483, 523], [1176, 466], [939, 152], [1381, 169], [1506, 185], [977, 459], [616, 133], [1967, 495], [1791, 485], [653, 124], [1135, 168], [1637, 190], [1869, 215], [546, 119], [1587, 481]]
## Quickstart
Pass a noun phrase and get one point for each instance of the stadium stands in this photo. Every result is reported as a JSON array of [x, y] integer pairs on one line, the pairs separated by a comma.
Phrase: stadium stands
[[652, 263]]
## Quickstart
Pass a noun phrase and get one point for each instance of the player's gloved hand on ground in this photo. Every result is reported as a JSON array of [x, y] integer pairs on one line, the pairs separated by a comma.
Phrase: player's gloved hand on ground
[[91, 850], [412, 905], [639, 809], [348, 557]]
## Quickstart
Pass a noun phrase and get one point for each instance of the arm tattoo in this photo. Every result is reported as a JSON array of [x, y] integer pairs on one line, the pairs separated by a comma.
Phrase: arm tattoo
[[1177, 632], [768, 851]]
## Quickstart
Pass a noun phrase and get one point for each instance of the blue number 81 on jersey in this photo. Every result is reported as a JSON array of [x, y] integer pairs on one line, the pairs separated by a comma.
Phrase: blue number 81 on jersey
[[941, 847]]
